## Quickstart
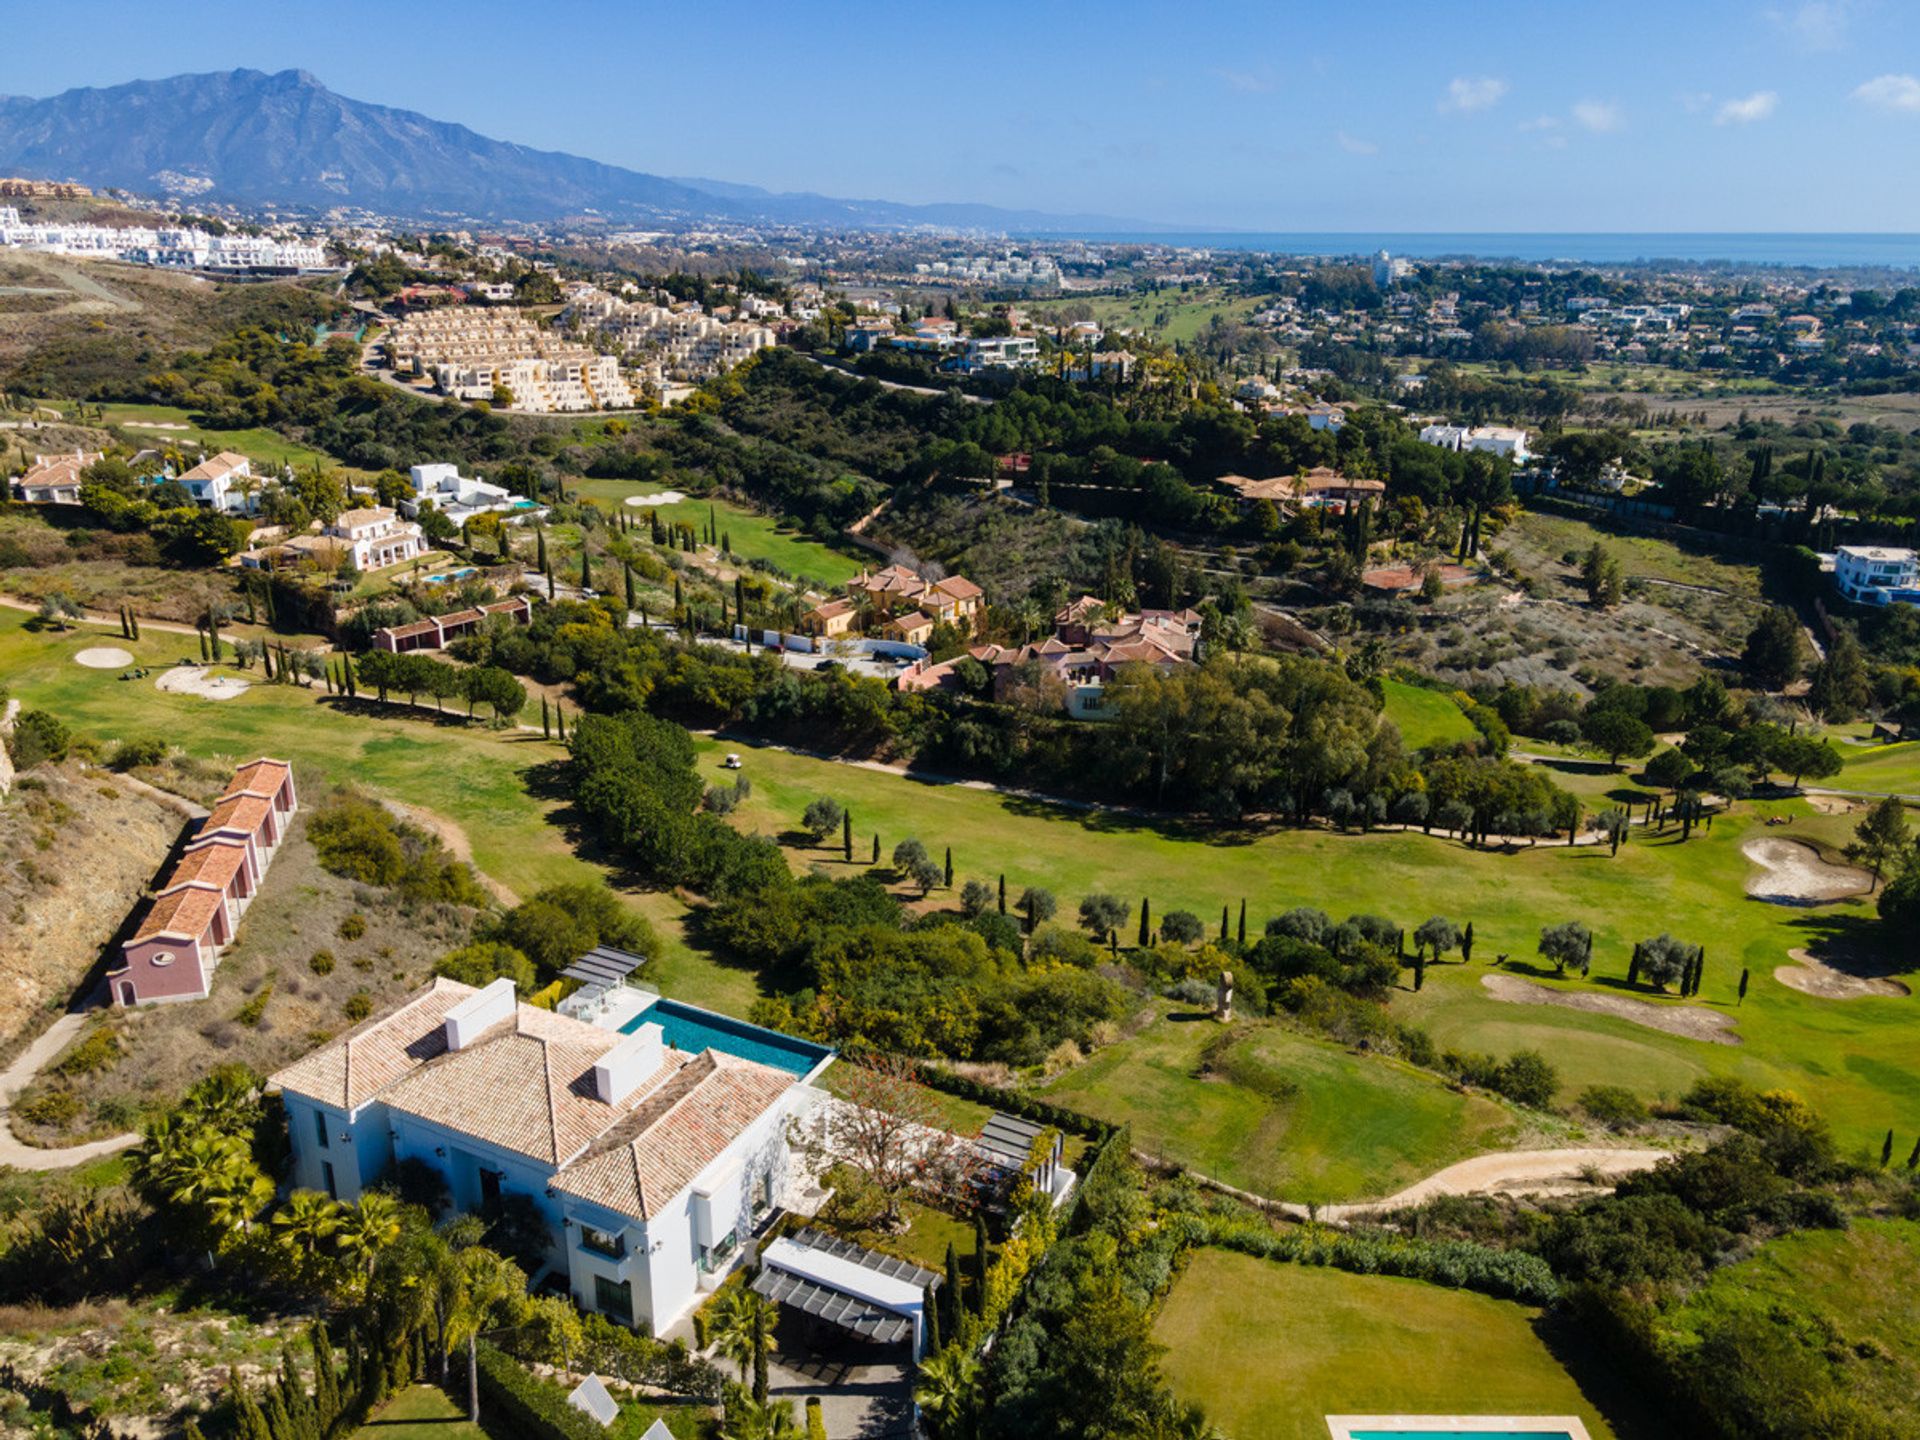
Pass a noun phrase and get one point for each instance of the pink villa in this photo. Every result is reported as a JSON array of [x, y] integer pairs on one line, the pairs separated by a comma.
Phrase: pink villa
[[196, 911]]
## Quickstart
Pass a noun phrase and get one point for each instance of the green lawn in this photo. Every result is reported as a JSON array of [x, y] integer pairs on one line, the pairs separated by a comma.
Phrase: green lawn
[[1269, 1350], [1425, 717], [1857, 1060], [1640, 556], [1882, 769], [1172, 315], [496, 786], [421, 1412], [1285, 1115], [752, 536], [151, 425], [1856, 1284]]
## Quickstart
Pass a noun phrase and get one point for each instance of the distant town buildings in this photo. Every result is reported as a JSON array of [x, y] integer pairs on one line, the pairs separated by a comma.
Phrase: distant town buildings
[[681, 342], [177, 248]]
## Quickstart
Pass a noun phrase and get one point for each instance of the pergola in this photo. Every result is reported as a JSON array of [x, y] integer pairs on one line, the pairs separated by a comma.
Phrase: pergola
[[602, 968], [876, 1297]]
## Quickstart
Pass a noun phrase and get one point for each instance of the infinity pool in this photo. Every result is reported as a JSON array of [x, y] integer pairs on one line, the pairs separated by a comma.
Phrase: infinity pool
[[690, 1029]]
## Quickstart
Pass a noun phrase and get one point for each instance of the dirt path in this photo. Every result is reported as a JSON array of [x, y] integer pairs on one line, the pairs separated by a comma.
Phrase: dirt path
[[457, 843], [1692, 1022], [19, 1075], [1510, 1172]]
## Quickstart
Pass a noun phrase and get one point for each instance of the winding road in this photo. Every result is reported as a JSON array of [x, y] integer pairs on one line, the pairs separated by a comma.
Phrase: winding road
[[19, 1075]]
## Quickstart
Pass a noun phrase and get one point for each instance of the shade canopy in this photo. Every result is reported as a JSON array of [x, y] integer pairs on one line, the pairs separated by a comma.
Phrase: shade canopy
[[603, 965], [874, 1296]]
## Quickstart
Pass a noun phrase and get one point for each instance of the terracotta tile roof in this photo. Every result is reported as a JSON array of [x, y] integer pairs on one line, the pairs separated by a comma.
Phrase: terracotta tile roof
[[912, 620], [830, 609], [225, 463], [351, 1070], [370, 515], [243, 812], [186, 913], [214, 865], [525, 1085], [259, 777], [655, 1151], [959, 587]]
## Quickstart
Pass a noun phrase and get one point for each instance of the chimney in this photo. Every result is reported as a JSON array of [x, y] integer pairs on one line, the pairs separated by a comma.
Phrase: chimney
[[479, 1012], [630, 1064]]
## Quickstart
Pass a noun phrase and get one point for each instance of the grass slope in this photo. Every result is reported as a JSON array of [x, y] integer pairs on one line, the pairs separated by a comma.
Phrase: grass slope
[[1425, 717], [1270, 1350], [1857, 1060], [1286, 1115]]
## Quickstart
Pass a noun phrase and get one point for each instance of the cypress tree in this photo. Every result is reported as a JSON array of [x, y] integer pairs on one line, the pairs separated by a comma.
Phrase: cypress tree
[[193, 1430], [677, 601], [279, 1422], [1243, 920], [846, 835], [1223, 924], [203, 647], [249, 1423], [1146, 921], [632, 601], [1419, 968], [1913, 1156], [1466, 944], [979, 1262], [1633, 968], [136, 624], [326, 1380], [740, 599], [726, 542], [760, 1359], [949, 879], [876, 849], [540, 550], [1886, 1151], [1003, 892], [266, 661], [586, 569], [1744, 976], [930, 1307], [546, 720], [560, 723], [955, 1292]]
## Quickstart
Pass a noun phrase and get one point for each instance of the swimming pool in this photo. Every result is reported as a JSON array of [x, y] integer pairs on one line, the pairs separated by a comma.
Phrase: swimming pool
[[444, 576], [1457, 1435], [1457, 1427], [690, 1029]]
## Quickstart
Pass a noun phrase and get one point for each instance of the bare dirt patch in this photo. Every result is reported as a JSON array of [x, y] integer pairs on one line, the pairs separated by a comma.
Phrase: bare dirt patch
[[1793, 873], [1689, 1021], [197, 680], [103, 657], [1833, 805], [664, 497], [1837, 978]]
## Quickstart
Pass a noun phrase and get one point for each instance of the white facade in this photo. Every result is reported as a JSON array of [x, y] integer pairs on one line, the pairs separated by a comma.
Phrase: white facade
[[1493, 439], [1002, 352], [212, 483], [1877, 574], [376, 538], [459, 497], [172, 247]]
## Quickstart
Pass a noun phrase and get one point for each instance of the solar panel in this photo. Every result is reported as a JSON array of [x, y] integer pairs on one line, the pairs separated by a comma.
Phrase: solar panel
[[604, 965]]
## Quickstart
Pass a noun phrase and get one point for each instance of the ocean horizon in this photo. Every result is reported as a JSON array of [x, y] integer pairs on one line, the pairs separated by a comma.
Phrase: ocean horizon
[[1810, 249]]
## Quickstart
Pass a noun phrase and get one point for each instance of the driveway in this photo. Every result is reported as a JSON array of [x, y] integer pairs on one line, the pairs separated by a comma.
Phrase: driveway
[[19, 1075]]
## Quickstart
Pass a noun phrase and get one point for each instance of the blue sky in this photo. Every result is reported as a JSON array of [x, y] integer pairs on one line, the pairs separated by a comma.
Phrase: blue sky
[[1553, 115]]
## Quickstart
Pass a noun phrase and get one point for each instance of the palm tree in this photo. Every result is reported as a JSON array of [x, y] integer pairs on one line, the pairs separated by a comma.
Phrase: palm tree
[[485, 1283], [738, 1328], [369, 1227], [303, 1227], [751, 1419], [947, 1391]]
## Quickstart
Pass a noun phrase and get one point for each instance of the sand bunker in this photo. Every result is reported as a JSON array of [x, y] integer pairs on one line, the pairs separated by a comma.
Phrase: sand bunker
[[1833, 804], [1690, 1021], [664, 497], [103, 657], [193, 680], [1846, 981], [1792, 873]]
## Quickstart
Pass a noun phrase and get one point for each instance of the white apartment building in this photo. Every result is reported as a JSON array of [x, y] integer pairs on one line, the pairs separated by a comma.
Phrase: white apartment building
[[470, 353], [172, 247], [684, 341]]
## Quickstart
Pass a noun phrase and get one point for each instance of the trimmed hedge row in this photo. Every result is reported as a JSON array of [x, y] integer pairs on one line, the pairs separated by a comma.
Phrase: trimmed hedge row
[[1461, 1264], [529, 1408]]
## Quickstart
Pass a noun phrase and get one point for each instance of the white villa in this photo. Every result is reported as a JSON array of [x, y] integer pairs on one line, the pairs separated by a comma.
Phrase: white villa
[[1877, 574], [55, 479], [211, 483], [459, 497], [650, 1136], [1494, 439]]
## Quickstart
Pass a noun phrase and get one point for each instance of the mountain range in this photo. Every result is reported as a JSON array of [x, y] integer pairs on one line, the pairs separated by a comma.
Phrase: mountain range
[[285, 140]]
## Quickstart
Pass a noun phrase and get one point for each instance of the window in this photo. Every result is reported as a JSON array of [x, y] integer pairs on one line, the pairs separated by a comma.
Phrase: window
[[613, 1298], [489, 1184], [320, 1127], [326, 1178], [600, 1242]]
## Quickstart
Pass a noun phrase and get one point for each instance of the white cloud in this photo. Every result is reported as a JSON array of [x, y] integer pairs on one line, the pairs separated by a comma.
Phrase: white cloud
[[1467, 93], [1757, 106], [1599, 116], [1891, 92], [1818, 24], [1354, 145]]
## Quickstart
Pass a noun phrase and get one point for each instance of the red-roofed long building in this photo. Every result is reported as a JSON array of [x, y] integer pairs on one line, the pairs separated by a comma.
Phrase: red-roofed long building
[[197, 907]]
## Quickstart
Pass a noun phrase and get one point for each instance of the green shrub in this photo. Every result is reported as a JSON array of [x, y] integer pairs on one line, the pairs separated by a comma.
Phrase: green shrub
[[524, 1405], [353, 927], [1614, 1106], [99, 1049], [249, 1014], [50, 1107], [816, 1423], [131, 754], [359, 1005], [321, 962]]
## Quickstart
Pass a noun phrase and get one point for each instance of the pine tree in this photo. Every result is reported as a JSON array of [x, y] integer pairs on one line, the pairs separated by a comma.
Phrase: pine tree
[[1243, 920], [1146, 921]]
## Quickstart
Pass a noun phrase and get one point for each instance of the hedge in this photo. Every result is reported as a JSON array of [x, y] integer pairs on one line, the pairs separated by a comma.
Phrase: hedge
[[525, 1406], [1461, 1264]]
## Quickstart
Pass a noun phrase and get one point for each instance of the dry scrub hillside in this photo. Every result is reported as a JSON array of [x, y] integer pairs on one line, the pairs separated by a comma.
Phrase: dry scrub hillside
[[77, 850]]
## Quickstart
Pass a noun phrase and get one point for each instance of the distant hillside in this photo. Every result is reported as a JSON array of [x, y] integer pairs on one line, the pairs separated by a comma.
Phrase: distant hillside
[[249, 138]]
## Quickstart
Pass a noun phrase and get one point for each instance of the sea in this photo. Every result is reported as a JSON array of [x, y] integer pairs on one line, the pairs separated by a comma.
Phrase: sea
[[1813, 251]]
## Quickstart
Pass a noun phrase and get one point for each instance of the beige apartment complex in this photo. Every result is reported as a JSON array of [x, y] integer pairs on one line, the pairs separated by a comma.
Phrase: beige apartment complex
[[471, 353]]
